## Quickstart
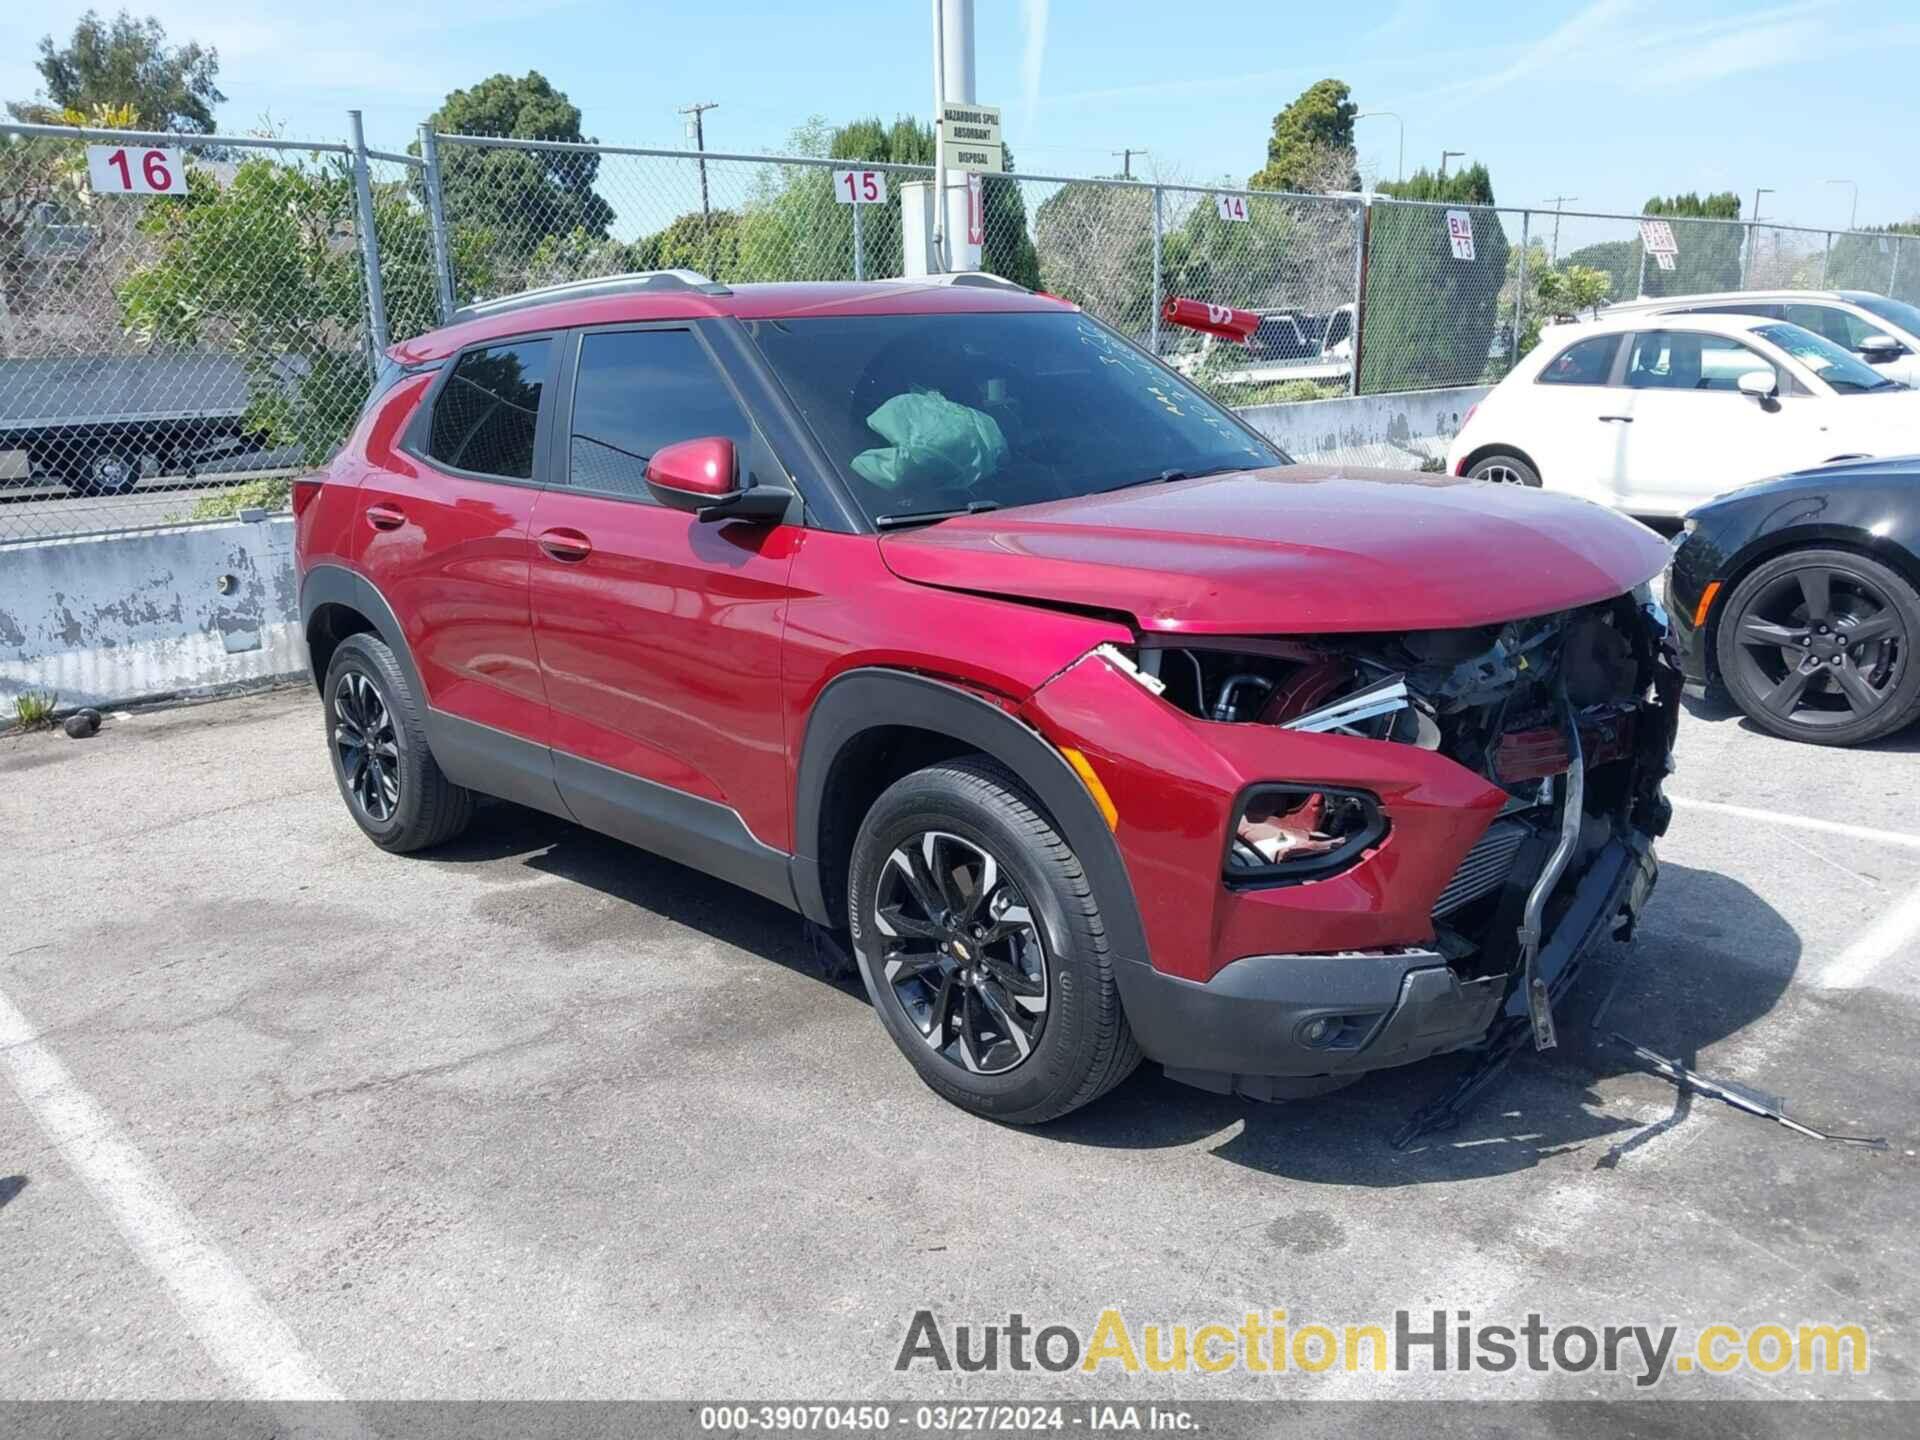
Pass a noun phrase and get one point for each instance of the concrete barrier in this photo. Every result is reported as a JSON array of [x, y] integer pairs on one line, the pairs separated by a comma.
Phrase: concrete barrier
[[150, 614], [113, 619], [1401, 431]]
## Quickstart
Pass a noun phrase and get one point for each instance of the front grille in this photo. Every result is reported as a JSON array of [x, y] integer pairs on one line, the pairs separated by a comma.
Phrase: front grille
[[1485, 868]]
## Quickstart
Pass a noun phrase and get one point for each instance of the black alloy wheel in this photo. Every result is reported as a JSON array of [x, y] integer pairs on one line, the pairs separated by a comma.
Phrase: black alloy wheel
[[961, 952], [1817, 645], [365, 746]]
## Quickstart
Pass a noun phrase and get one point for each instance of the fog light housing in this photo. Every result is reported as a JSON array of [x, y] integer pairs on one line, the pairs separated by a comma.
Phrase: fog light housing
[[1283, 834]]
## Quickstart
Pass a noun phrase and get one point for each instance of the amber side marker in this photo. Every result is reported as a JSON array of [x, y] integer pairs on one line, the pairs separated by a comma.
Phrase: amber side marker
[[1084, 769], [1706, 603]]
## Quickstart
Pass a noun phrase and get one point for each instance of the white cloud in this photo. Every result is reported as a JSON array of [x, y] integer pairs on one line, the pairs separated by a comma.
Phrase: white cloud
[[1033, 54]]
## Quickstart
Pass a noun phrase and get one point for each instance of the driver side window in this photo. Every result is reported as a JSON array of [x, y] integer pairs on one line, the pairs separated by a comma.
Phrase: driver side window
[[639, 390], [1687, 360]]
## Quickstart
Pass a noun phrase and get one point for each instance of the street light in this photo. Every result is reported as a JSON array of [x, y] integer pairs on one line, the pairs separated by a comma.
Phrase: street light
[[1400, 164], [1756, 203], [1853, 212], [1446, 155]]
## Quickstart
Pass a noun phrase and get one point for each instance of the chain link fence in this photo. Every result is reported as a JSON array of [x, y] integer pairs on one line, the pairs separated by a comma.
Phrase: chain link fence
[[173, 356]]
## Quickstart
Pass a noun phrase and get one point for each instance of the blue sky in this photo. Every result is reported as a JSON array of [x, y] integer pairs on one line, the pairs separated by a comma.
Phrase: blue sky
[[1606, 100]]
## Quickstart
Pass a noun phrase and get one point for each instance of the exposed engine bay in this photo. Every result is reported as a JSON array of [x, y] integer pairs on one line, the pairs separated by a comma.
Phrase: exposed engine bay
[[1572, 714]]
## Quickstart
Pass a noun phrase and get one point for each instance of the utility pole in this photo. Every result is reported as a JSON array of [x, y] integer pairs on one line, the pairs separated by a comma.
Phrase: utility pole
[[1853, 212], [1126, 160], [1446, 155], [1400, 163], [700, 142], [1558, 201], [952, 84]]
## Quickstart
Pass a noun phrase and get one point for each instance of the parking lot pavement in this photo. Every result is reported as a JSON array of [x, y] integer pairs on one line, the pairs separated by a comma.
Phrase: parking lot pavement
[[543, 1116]]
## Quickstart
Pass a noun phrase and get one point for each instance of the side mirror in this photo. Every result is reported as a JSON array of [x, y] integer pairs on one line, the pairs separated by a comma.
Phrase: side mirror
[[1879, 349], [1759, 384], [703, 476]]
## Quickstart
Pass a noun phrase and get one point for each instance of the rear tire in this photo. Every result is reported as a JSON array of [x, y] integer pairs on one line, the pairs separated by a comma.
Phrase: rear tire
[[385, 769], [989, 966], [1505, 470], [108, 472]]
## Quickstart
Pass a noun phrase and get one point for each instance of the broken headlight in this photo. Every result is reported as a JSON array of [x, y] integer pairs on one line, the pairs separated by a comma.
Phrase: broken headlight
[[1285, 833]]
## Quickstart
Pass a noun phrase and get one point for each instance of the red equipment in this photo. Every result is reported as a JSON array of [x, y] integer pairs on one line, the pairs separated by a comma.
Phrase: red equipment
[[1222, 320]]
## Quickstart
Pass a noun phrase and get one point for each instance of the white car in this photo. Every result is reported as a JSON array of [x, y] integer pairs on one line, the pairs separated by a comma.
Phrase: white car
[[1884, 333], [1656, 414]]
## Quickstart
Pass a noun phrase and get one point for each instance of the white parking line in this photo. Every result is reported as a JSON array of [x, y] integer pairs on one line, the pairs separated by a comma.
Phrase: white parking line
[[245, 1338], [1904, 838], [1853, 966]]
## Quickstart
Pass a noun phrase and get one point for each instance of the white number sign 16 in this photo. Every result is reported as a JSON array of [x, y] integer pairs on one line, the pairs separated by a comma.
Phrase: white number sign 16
[[859, 187], [134, 170]]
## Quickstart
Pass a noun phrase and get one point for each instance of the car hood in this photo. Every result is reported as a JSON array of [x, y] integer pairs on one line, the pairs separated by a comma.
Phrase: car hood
[[1297, 549]]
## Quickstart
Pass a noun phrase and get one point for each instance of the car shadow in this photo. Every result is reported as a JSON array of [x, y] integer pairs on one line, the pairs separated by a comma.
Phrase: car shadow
[[1712, 958], [1716, 707]]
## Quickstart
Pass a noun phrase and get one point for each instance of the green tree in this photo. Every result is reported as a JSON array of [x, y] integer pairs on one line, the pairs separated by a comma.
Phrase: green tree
[[1320, 120], [519, 197], [1470, 186], [1431, 318], [1095, 244], [708, 243], [265, 267], [127, 62]]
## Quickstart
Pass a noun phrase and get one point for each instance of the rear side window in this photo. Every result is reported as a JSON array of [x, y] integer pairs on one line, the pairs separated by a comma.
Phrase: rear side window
[[1585, 362], [485, 417], [637, 391]]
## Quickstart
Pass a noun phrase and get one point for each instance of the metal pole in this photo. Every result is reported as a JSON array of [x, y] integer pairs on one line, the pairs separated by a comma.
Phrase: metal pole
[[437, 221], [1360, 287], [1519, 294], [859, 260], [1640, 288], [1746, 259], [1826, 261], [369, 246], [1893, 280], [939, 155], [1158, 232]]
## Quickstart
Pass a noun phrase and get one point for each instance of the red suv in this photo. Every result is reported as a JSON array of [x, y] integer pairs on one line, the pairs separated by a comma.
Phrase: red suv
[[944, 616]]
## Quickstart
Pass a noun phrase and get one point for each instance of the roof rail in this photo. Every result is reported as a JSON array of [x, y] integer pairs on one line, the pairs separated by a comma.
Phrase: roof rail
[[631, 283], [985, 279]]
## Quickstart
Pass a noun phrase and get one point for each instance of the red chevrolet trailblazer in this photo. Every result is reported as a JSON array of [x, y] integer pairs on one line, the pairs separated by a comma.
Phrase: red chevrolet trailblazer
[[941, 614]]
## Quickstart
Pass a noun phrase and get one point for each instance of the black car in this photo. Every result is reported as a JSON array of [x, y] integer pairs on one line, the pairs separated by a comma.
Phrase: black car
[[1801, 597]]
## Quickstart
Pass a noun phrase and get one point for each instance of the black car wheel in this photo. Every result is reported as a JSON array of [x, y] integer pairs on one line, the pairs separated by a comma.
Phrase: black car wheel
[[1817, 645], [393, 787], [982, 948], [108, 472], [1505, 470]]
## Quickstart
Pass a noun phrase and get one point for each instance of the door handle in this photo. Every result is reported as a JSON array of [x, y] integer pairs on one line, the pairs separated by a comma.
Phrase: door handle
[[386, 517], [567, 545], [1623, 419]]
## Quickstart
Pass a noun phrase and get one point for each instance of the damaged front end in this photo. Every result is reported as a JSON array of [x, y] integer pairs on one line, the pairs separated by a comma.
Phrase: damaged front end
[[1569, 717]]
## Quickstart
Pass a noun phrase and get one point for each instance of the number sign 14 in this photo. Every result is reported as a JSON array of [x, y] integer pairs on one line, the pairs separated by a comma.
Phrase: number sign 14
[[860, 187], [135, 170], [1232, 207]]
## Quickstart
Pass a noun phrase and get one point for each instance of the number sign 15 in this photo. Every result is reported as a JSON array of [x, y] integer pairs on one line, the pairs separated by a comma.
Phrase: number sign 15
[[859, 187], [134, 170]]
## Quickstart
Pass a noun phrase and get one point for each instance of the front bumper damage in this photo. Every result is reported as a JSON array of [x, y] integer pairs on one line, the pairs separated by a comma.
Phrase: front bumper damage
[[1521, 828], [1255, 1028]]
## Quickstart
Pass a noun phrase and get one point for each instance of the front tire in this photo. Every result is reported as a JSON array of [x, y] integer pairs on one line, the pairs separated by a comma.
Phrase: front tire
[[1504, 470], [385, 769], [982, 948], [1817, 645]]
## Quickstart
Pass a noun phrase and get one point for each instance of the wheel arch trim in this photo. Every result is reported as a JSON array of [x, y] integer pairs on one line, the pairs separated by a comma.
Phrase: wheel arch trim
[[1487, 452], [327, 584], [877, 698]]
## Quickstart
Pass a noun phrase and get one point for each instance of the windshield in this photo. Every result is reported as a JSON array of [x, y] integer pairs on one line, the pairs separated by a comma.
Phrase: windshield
[[1839, 369], [932, 415], [1897, 312]]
